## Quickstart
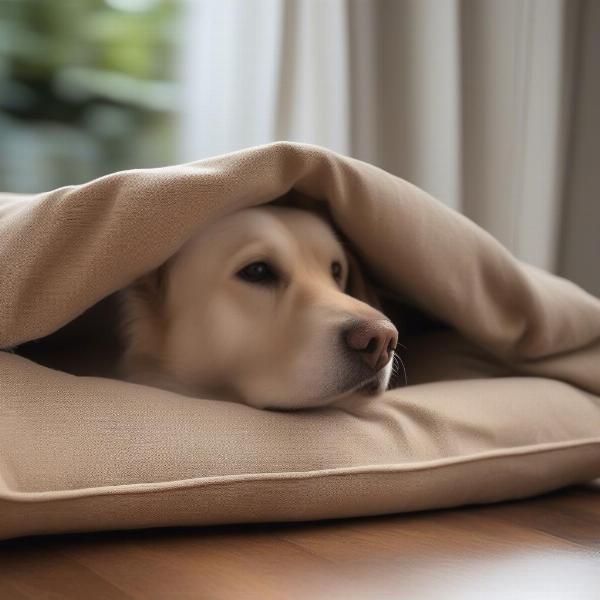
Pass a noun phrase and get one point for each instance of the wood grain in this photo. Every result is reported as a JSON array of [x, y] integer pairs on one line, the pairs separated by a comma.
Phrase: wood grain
[[546, 548]]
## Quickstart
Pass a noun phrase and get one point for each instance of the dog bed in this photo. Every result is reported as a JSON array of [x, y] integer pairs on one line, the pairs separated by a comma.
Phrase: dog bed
[[502, 400]]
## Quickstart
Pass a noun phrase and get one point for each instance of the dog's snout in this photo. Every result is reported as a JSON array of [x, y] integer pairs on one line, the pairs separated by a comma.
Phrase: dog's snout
[[375, 340]]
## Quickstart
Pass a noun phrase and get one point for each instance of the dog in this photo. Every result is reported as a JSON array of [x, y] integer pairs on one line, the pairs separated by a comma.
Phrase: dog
[[265, 307]]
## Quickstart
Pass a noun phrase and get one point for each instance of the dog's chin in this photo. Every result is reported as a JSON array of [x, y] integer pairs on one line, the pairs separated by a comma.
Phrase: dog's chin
[[370, 387]]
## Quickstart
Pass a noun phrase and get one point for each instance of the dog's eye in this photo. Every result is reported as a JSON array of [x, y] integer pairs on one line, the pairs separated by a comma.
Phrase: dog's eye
[[258, 272], [336, 270]]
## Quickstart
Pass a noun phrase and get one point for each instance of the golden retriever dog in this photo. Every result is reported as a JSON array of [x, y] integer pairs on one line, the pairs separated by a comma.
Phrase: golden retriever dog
[[263, 307]]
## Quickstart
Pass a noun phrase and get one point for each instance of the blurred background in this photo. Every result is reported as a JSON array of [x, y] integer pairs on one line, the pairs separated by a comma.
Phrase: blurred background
[[492, 106]]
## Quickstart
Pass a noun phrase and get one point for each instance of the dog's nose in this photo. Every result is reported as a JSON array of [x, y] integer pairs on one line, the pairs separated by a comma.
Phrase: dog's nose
[[375, 340]]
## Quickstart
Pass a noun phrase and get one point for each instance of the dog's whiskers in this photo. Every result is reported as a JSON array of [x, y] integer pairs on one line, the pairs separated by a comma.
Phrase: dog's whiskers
[[396, 361]]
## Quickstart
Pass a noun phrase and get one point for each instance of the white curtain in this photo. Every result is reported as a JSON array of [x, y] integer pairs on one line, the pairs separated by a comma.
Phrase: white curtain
[[472, 100]]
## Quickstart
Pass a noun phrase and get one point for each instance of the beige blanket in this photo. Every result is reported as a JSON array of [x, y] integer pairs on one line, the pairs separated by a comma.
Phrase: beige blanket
[[121, 455]]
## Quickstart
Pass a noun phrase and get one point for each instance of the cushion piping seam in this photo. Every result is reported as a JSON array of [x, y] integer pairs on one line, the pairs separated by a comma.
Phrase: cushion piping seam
[[178, 484]]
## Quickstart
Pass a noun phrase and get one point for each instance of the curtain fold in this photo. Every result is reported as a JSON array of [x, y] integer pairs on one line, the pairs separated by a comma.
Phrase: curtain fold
[[472, 100], [579, 250], [515, 75]]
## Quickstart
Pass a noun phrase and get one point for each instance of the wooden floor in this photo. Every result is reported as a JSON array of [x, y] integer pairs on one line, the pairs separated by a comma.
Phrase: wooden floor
[[546, 548]]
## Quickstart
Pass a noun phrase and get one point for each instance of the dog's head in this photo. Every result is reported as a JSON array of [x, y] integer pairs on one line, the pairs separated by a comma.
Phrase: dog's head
[[264, 307]]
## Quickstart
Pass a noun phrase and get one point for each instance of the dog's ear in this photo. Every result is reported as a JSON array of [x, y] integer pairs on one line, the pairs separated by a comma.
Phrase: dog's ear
[[142, 301], [142, 325], [152, 286], [359, 286]]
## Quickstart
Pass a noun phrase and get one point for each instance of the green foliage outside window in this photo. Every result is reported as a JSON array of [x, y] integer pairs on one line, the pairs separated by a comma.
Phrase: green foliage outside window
[[86, 88]]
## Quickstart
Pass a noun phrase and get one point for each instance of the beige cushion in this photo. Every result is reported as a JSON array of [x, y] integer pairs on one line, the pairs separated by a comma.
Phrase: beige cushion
[[504, 404]]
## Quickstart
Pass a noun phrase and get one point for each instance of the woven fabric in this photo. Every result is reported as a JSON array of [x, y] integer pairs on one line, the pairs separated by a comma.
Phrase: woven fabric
[[505, 402]]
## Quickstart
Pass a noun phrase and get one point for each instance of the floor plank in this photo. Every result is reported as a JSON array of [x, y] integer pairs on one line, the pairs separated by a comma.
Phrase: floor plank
[[547, 548]]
